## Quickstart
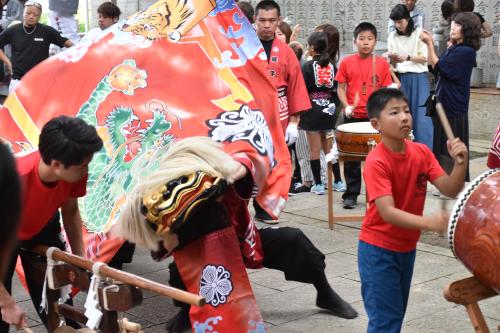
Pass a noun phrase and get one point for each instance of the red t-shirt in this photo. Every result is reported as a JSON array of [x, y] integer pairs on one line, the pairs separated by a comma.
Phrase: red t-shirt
[[40, 202], [357, 72], [286, 75], [494, 154], [403, 176]]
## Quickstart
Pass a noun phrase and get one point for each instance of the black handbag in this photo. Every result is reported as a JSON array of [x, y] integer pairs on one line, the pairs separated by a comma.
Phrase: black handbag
[[430, 105]]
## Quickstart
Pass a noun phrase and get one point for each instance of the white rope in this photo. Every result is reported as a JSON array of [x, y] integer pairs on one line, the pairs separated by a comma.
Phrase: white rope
[[49, 254], [96, 267]]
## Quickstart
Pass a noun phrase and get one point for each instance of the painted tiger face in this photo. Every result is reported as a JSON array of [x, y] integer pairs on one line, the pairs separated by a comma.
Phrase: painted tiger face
[[168, 18]]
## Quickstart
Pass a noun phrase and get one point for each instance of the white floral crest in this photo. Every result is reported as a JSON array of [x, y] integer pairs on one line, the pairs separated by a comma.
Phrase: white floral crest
[[215, 284]]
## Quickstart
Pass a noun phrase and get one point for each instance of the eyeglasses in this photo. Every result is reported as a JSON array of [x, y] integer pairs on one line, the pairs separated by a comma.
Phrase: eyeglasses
[[33, 3]]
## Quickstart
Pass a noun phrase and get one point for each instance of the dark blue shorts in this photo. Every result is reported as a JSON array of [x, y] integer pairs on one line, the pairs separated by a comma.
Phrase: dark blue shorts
[[385, 286]]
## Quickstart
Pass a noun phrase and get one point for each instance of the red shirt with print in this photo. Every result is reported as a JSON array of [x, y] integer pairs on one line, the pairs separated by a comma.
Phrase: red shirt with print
[[403, 176], [40, 201], [357, 73]]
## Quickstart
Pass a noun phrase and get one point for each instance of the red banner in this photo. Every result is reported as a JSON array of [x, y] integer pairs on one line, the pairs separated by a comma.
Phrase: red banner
[[147, 82]]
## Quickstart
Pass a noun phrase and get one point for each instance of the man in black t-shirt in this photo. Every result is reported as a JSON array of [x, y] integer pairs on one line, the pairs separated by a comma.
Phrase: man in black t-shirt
[[30, 42]]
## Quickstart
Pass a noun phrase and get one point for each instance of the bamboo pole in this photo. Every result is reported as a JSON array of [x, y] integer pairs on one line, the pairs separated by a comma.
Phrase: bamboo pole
[[127, 278]]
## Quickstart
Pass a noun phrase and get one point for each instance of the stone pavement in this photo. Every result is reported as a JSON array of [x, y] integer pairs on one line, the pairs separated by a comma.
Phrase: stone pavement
[[289, 307]]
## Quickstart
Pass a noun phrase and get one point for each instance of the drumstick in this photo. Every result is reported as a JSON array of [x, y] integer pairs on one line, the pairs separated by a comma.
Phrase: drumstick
[[447, 128], [394, 76], [356, 100]]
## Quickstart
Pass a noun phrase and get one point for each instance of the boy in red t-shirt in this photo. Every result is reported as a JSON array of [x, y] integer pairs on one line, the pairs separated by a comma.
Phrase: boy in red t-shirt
[[359, 76], [51, 178], [396, 174]]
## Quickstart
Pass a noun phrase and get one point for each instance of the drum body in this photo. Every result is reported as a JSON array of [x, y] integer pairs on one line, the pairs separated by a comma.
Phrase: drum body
[[474, 228], [356, 139]]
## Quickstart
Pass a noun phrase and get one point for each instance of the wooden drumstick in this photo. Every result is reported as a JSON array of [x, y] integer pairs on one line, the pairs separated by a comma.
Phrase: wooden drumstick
[[447, 128], [330, 185], [394, 76], [356, 100]]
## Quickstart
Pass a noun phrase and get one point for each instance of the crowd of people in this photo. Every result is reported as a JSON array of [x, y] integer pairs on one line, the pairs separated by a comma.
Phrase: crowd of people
[[316, 90], [25, 42]]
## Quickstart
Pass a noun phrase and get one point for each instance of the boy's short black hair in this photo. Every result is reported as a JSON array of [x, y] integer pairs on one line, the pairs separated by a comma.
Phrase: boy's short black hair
[[267, 5], [365, 26], [379, 99], [68, 140], [109, 9]]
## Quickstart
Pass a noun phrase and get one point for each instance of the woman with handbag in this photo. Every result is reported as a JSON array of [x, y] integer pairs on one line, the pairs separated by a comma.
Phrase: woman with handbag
[[453, 71]]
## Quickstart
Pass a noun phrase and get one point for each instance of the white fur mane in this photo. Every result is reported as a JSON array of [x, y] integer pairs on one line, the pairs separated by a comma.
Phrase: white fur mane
[[182, 158]]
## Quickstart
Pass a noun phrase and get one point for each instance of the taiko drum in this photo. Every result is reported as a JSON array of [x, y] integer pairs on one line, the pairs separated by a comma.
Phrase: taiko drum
[[474, 228], [356, 139]]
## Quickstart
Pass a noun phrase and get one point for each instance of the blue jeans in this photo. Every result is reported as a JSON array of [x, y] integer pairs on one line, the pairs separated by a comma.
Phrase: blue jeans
[[385, 286]]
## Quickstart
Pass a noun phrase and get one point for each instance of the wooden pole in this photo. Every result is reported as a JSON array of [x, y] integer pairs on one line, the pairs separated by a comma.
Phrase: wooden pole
[[127, 278], [447, 128], [330, 186]]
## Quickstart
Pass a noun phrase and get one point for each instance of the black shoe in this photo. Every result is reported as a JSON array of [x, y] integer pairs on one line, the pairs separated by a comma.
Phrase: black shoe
[[262, 216], [350, 203], [340, 309], [265, 218], [298, 188], [179, 323]]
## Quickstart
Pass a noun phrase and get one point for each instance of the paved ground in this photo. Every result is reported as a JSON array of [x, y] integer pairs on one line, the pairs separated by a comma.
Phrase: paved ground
[[289, 306]]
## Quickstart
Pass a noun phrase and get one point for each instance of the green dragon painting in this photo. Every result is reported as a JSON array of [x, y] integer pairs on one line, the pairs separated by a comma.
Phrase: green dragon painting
[[129, 143]]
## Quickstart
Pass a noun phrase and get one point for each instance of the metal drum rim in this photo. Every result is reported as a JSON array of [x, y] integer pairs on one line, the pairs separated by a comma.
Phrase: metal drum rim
[[460, 203]]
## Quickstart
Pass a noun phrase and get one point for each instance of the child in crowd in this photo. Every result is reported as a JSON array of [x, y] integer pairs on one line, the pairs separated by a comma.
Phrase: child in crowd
[[319, 121], [358, 77], [396, 174]]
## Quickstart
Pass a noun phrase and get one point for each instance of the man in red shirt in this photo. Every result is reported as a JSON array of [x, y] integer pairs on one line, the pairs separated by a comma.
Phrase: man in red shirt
[[52, 178], [359, 76], [396, 174], [286, 75]]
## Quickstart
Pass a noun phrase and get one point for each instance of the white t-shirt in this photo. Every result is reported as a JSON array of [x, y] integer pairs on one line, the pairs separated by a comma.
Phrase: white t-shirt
[[404, 46]]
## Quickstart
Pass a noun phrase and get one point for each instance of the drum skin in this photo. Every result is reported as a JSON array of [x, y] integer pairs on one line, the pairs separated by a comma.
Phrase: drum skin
[[474, 228], [353, 139]]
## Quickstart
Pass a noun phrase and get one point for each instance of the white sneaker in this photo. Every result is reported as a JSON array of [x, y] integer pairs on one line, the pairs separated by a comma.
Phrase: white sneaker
[[318, 189]]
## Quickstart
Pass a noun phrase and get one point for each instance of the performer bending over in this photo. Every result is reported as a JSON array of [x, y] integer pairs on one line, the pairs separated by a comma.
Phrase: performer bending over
[[180, 220]]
